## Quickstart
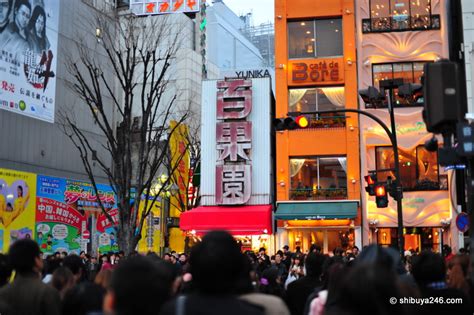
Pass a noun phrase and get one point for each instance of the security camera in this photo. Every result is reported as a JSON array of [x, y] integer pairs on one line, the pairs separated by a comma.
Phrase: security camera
[[431, 144]]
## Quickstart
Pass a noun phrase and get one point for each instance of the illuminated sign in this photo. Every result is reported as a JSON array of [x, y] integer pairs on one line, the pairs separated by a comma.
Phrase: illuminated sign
[[320, 71], [143, 7]]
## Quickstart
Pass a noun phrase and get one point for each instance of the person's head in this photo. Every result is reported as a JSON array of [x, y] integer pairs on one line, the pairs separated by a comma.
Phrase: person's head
[[262, 250], [93, 259], [183, 258], [104, 258], [82, 254], [167, 257], [9, 207], [37, 22], [19, 191], [173, 259], [457, 272], [216, 264], [50, 237], [62, 280], [25, 257], [74, 263], [5, 270], [22, 11], [5, 9], [364, 289], [278, 258], [286, 248], [298, 249], [315, 248], [428, 267], [298, 261], [139, 286], [40, 234], [355, 250], [314, 264], [63, 254], [446, 250], [385, 257], [83, 299], [338, 251]]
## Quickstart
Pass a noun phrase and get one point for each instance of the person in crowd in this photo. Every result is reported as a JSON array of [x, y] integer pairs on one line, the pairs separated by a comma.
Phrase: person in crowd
[[296, 270], [281, 267], [429, 271], [216, 266], [51, 265], [457, 275], [27, 294], [103, 278], [315, 248], [84, 299], [332, 272], [138, 286], [37, 30], [365, 289], [74, 263], [355, 251], [105, 263], [447, 253], [299, 290], [5, 270], [287, 256], [272, 304], [262, 253], [92, 268], [271, 283], [63, 255], [62, 280], [167, 257]]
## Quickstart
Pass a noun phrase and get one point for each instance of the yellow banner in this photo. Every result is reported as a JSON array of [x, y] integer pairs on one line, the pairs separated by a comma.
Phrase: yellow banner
[[180, 162], [17, 206]]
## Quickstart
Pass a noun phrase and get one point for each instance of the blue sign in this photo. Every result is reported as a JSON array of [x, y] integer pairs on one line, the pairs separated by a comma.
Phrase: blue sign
[[462, 222]]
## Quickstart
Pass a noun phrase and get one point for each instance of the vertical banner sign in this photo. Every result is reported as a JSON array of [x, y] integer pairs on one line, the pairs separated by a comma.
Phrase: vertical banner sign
[[234, 142], [17, 206], [180, 160], [28, 57], [68, 212]]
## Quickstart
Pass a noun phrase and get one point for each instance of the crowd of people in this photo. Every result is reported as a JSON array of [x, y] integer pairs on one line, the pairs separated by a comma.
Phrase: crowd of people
[[217, 278]]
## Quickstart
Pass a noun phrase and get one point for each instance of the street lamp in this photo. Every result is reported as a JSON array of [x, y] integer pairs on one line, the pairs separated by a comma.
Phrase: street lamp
[[166, 190]]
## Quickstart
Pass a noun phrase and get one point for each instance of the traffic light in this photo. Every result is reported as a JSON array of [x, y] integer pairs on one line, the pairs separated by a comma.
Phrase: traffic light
[[372, 96], [291, 123], [411, 92], [465, 135], [442, 96], [381, 197], [370, 180]]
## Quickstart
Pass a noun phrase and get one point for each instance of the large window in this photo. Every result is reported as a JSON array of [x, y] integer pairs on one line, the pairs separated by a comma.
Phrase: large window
[[318, 99], [400, 15], [318, 178], [419, 168], [315, 38], [410, 72]]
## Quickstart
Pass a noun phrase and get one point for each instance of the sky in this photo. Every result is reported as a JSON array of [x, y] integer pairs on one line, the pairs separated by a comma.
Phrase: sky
[[263, 10]]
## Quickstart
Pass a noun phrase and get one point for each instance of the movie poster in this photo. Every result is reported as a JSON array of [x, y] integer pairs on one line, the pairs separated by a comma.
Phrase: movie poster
[[17, 206], [28, 57], [66, 212]]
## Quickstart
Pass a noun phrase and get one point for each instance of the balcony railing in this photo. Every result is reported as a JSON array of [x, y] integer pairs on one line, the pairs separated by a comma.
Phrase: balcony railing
[[401, 24], [318, 194]]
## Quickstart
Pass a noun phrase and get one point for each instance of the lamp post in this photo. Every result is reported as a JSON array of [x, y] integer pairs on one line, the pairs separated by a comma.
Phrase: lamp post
[[167, 191]]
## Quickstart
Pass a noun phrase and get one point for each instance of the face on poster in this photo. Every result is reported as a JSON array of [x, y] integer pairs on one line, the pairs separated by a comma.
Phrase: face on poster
[[28, 57], [17, 206]]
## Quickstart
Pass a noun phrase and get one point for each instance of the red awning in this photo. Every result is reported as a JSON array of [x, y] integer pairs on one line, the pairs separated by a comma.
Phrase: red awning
[[244, 220]]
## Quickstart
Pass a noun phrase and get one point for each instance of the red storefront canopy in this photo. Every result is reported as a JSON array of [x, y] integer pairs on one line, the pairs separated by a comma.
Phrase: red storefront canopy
[[244, 220]]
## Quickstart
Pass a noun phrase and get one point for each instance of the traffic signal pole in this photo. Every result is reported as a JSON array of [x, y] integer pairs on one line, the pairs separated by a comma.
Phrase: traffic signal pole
[[393, 139]]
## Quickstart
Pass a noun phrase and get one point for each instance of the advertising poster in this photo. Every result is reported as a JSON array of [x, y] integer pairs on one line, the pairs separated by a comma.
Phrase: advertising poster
[[17, 206], [28, 57], [66, 212]]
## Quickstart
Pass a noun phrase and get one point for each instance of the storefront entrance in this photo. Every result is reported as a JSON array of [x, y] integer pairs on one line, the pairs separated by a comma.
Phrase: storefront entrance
[[416, 238]]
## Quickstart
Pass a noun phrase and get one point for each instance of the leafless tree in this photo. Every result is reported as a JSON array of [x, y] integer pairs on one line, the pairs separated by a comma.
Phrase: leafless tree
[[125, 88]]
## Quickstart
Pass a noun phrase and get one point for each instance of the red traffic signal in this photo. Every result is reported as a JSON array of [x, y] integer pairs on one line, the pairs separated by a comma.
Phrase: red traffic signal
[[381, 197], [302, 121], [370, 179]]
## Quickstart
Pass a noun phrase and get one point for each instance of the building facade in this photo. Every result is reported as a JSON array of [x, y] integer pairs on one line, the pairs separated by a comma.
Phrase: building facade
[[394, 41], [317, 169]]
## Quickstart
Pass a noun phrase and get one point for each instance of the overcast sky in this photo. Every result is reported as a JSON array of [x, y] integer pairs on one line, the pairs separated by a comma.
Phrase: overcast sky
[[262, 9]]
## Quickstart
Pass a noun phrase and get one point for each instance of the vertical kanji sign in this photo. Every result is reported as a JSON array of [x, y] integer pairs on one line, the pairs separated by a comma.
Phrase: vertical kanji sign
[[234, 142]]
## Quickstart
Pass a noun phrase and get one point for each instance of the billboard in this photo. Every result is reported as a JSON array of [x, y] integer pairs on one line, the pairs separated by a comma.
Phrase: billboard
[[17, 206], [28, 57], [151, 7], [68, 213]]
